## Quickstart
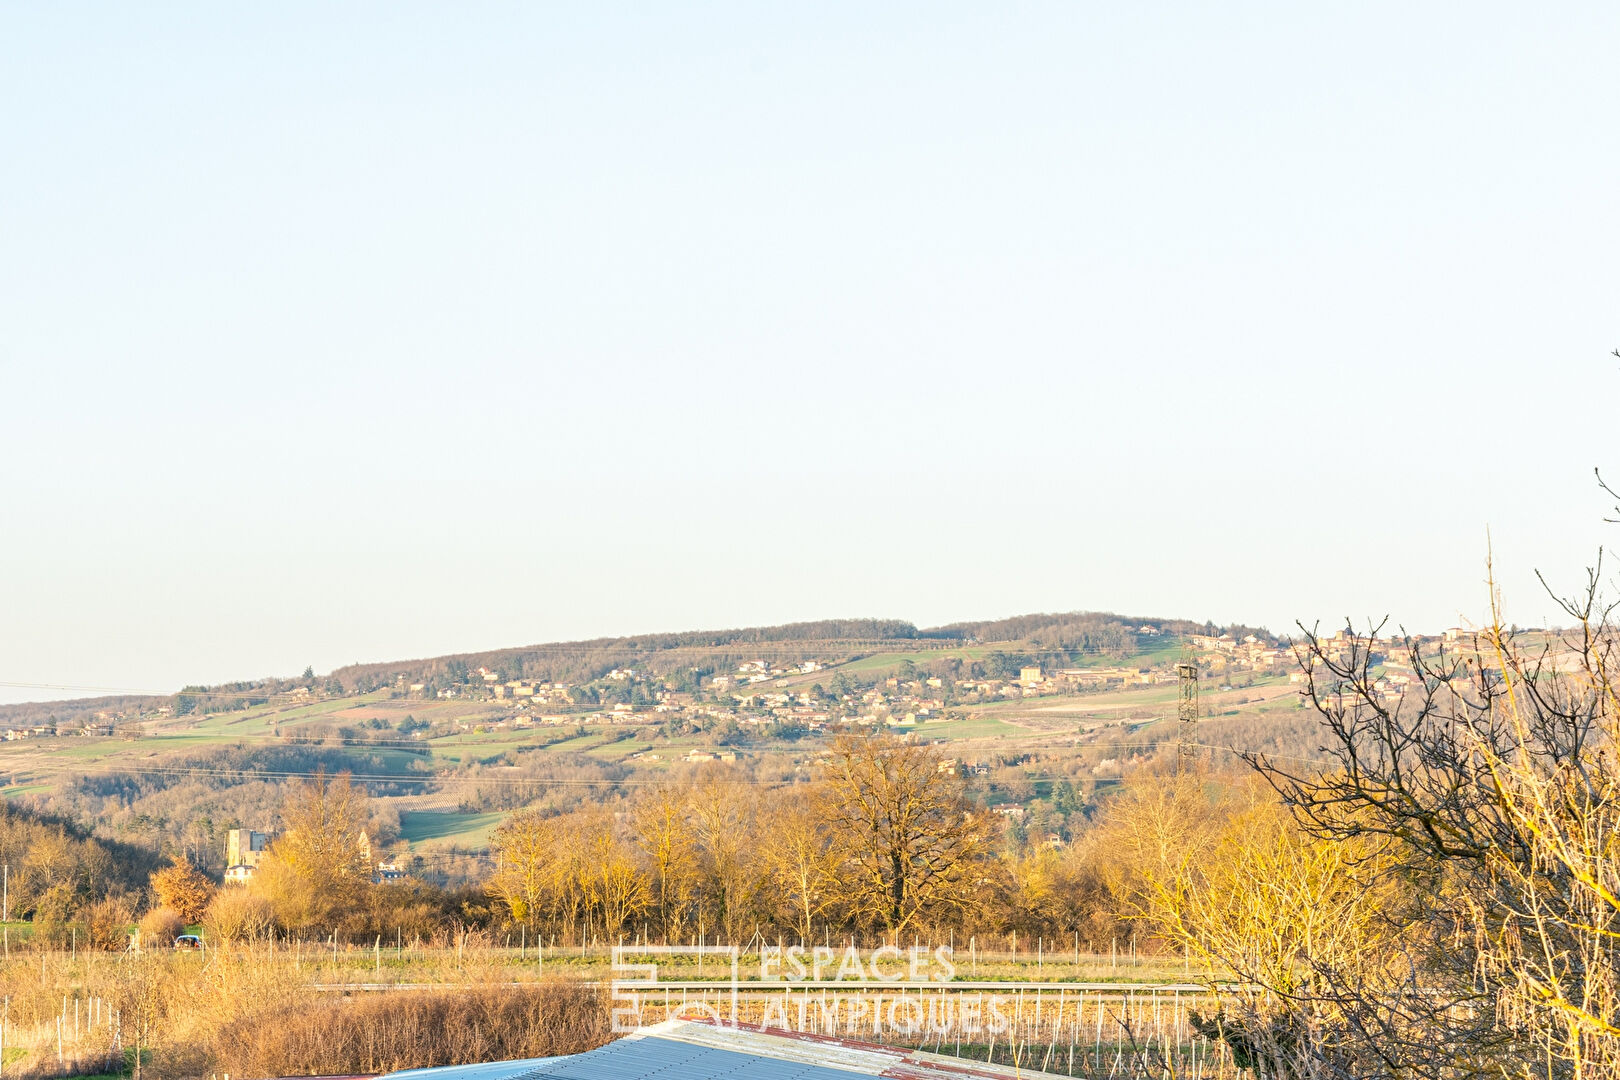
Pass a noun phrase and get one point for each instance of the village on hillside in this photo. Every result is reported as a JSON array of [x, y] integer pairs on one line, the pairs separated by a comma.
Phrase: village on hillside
[[810, 695]]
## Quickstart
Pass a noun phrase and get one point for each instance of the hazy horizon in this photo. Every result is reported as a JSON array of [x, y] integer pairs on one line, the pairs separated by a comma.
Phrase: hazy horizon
[[382, 332]]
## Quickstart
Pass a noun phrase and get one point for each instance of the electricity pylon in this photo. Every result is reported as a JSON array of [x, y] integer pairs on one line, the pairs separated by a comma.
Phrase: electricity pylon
[[1187, 713]]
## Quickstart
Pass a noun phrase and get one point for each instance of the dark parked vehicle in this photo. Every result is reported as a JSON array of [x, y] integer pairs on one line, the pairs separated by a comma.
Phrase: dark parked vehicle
[[188, 941]]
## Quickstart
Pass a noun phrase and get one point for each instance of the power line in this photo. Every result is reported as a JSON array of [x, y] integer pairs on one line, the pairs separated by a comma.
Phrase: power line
[[226, 772], [109, 690], [359, 778], [315, 740]]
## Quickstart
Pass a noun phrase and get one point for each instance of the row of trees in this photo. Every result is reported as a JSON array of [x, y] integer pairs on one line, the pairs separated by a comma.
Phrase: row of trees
[[882, 840]]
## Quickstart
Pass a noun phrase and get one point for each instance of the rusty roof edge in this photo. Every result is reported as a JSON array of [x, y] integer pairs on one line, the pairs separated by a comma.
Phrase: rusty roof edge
[[830, 1051]]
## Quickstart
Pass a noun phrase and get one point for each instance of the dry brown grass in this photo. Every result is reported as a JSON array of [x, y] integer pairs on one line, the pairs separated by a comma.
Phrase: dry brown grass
[[242, 1011], [381, 1032]]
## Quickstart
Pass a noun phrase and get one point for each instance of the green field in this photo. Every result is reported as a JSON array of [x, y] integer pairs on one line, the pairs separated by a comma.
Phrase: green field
[[443, 829], [973, 727]]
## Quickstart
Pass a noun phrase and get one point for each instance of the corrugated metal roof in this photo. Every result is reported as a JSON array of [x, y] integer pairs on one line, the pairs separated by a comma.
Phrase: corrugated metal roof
[[494, 1070], [696, 1050]]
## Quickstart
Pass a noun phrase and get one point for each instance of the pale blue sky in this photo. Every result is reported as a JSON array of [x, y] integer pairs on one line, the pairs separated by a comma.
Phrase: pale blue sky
[[335, 333]]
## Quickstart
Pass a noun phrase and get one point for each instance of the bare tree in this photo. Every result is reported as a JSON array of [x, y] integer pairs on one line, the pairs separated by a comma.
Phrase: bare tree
[[524, 848], [1490, 790], [612, 881], [801, 859], [662, 829], [318, 871], [910, 843], [325, 820], [723, 825]]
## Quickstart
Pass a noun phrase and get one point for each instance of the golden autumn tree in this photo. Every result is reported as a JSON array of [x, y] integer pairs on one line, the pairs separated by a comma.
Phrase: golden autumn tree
[[525, 854], [801, 859], [661, 826], [1266, 902], [183, 889], [317, 872], [1271, 919], [614, 884], [910, 846]]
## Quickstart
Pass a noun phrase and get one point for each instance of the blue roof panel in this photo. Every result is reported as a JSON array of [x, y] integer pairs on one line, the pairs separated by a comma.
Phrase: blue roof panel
[[667, 1059]]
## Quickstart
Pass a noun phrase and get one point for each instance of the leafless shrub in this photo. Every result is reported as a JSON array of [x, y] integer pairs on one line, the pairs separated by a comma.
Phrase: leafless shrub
[[238, 915], [160, 926], [106, 924]]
